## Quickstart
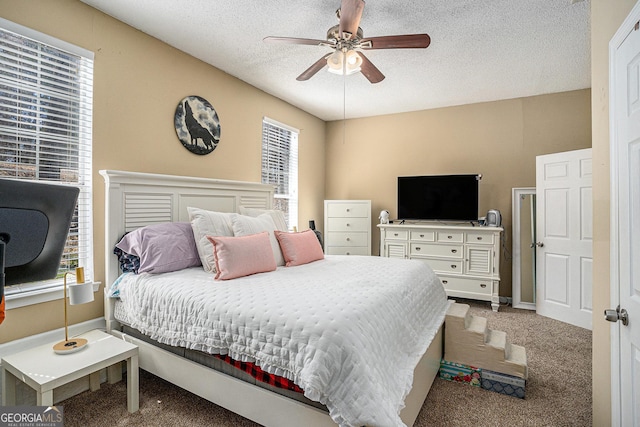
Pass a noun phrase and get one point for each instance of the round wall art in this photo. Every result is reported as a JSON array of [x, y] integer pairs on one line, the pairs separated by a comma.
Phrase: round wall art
[[197, 125]]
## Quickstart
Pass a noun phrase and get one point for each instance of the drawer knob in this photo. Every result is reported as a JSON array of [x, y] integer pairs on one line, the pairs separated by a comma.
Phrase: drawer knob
[[453, 266], [479, 237], [348, 210], [422, 235], [348, 224], [418, 248], [482, 285], [444, 282], [449, 237], [454, 251], [348, 239], [348, 253]]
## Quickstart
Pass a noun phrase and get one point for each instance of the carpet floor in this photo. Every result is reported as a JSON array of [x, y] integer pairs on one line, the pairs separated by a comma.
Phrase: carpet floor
[[558, 391]]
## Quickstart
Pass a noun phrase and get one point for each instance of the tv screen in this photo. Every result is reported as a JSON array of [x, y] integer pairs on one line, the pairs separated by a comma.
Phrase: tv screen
[[438, 197]]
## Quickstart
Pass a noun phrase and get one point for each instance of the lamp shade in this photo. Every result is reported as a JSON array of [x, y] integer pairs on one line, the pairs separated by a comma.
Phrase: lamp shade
[[342, 63], [353, 62], [80, 293], [335, 62]]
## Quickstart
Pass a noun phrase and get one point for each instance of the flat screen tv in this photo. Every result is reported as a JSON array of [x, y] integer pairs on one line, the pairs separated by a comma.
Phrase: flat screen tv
[[438, 197]]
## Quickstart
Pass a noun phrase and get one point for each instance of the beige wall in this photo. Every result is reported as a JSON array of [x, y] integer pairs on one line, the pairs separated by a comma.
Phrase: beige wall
[[500, 140], [606, 18], [138, 82]]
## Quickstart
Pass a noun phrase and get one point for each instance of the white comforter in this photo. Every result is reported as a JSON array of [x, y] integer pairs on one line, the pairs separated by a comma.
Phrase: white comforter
[[349, 330]]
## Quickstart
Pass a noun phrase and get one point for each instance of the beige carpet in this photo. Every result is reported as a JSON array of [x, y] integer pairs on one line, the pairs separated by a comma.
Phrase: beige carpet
[[558, 391]]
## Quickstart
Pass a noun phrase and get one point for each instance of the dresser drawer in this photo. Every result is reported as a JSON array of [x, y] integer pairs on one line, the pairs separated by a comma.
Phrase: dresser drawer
[[397, 235], [480, 238], [348, 210], [444, 265], [338, 238], [450, 236], [346, 250], [461, 285], [436, 250], [347, 224], [423, 236]]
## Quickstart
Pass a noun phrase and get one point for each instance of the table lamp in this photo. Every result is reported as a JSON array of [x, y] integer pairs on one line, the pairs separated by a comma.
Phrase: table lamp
[[79, 293]]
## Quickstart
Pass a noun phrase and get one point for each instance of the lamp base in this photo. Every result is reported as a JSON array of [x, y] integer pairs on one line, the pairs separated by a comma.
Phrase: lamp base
[[70, 346]]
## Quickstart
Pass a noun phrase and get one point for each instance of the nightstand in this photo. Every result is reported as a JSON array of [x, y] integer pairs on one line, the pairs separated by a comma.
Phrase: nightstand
[[43, 370]]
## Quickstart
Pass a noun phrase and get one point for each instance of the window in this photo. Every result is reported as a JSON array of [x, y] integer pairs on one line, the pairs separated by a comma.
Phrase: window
[[280, 166], [46, 90]]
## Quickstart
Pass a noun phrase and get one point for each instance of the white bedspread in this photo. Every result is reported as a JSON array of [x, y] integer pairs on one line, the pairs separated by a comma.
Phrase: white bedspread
[[349, 330]]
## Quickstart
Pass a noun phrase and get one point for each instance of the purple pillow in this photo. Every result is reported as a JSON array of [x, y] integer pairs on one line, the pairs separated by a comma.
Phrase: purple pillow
[[129, 263], [164, 247]]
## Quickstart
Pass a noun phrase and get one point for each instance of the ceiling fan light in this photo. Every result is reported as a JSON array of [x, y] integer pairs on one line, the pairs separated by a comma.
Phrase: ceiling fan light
[[334, 61], [353, 59], [344, 63], [352, 63]]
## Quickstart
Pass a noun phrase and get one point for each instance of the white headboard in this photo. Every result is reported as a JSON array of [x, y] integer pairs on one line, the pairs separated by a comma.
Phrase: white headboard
[[134, 199]]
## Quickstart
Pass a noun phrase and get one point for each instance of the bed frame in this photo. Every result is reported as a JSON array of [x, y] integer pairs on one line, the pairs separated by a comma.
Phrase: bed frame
[[136, 199]]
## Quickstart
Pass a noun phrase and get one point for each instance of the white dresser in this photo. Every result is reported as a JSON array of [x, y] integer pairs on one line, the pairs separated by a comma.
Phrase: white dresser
[[466, 258], [347, 227]]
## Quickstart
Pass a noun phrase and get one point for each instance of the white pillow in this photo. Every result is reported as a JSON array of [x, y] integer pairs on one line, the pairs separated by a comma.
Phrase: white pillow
[[208, 223], [276, 215], [245, 225]]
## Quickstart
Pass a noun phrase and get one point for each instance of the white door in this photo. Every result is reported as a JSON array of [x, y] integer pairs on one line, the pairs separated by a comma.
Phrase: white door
[[625, 220], [564, 237]]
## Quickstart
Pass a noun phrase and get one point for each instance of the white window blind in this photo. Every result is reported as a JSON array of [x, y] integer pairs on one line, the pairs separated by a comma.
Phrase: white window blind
[[46, 102], [280, 166]]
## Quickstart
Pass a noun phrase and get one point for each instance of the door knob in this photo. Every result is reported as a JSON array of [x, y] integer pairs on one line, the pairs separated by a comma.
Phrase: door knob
[[538, 244], [612, 315]]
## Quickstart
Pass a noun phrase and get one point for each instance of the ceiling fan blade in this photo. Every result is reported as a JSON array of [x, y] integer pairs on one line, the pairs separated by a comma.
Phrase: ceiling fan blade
[[369, 70], [350, 14], [396, 42], [311, 71], [294, 40]]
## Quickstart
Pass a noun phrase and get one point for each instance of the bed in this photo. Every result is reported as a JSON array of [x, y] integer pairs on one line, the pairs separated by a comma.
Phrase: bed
[[322, 362]]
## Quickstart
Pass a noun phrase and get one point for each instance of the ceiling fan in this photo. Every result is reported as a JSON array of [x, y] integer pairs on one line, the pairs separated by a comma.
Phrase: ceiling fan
[[347, 41]]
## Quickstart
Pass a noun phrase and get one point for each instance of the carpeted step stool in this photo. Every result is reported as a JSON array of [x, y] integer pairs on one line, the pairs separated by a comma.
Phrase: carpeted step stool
[[468, 341]]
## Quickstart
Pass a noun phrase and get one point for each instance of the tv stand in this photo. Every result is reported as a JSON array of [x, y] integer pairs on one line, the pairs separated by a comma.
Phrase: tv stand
[[465, 258]]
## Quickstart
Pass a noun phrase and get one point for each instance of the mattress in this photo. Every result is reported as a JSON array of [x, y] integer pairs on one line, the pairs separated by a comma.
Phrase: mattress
[[348, 330], [213, 362]]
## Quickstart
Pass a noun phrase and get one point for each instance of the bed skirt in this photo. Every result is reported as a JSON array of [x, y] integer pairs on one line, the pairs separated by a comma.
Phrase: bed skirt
[[213, 362]]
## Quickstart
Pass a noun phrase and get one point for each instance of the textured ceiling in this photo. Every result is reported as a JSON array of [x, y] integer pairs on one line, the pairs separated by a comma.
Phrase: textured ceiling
[[481, 50]]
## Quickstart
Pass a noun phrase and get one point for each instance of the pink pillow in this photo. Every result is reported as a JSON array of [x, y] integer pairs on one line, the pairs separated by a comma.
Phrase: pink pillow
[[299, 248], [242, 256]]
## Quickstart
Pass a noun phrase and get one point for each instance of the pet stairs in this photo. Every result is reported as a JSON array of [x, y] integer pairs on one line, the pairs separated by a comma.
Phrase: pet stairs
[[469, 341]]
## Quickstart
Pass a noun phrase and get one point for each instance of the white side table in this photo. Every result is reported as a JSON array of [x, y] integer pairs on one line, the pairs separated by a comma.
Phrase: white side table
[[43, 370]]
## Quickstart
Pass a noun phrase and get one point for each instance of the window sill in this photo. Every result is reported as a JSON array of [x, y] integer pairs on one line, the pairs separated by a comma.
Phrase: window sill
[[36, 296]]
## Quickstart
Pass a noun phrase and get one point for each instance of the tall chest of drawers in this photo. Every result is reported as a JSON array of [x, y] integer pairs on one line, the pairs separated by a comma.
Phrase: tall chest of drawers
[[467, 259], [347, 227]]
